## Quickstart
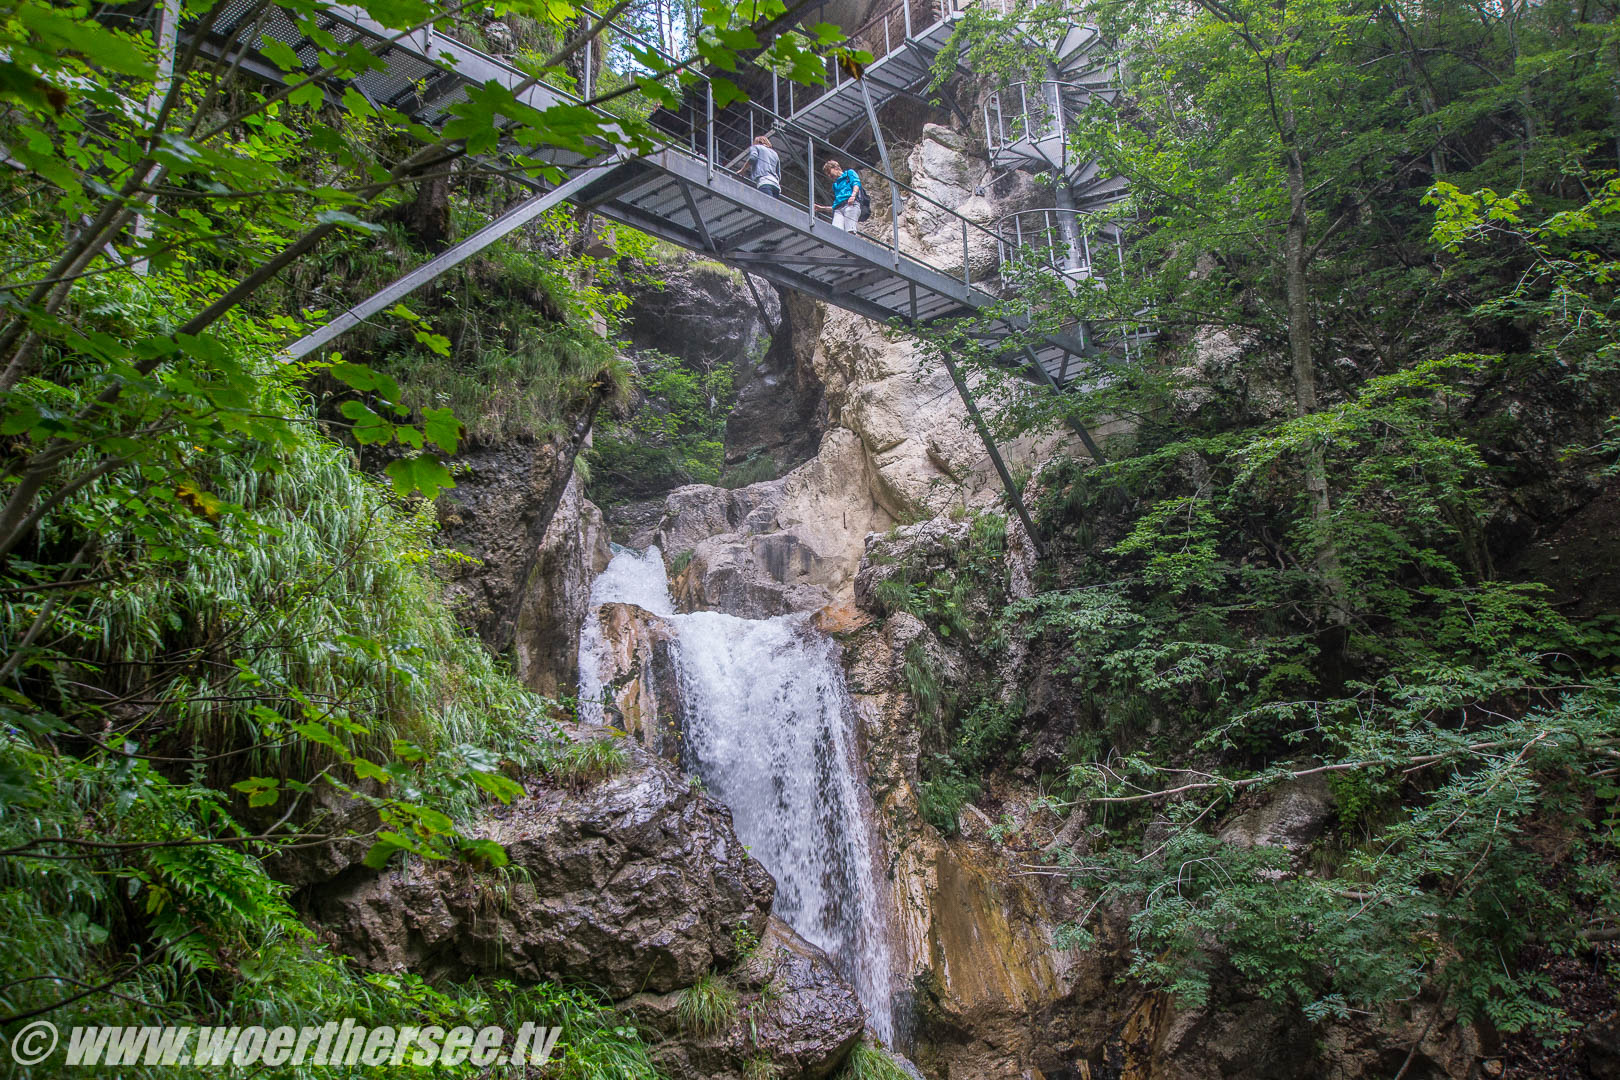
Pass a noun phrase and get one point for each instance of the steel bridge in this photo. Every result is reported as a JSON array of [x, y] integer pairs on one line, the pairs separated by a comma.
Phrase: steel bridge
[[685, 193]]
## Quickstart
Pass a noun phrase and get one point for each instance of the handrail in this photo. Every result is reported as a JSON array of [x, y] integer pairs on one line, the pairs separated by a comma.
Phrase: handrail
[[793, 133], [1050, 238], [901, 22], [1002, 135]]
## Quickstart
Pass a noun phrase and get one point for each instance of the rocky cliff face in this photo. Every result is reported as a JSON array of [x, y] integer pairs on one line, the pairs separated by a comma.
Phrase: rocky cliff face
[[635, 884], [975, 918], [518, 594], [708, 315]]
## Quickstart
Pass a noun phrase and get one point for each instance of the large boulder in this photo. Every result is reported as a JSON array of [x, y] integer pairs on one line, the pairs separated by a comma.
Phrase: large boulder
[[557, 593], [1290, 815], [793, 1012], [641, 677], [779, 546], [636, 883]]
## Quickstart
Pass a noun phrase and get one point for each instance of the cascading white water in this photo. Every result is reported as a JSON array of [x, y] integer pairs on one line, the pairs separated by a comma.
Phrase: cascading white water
[[628, 579], [769, 728]]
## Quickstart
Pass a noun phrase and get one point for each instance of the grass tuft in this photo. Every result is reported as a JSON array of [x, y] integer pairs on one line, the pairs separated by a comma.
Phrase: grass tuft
[[868, 1062], [707, 1006], [581, 763]]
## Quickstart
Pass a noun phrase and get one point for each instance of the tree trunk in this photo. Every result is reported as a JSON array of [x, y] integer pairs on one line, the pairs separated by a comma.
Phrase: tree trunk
[[1296, 254]]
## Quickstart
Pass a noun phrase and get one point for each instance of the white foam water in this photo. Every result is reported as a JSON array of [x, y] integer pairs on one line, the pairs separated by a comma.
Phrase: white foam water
[[630, 578], [770, 729]]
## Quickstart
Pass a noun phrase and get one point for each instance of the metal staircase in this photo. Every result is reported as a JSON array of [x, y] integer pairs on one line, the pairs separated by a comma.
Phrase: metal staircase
[[1028, 126]]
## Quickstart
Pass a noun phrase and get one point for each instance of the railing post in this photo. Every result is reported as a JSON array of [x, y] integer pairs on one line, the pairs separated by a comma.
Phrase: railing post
[[587, 77], [905, 8], [967, 271], [894, 217], [708, 137], [776, 104], [810, 178], [1023, 97]]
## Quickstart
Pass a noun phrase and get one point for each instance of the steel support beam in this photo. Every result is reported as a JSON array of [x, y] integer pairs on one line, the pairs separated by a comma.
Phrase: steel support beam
[[883, 150], [515, 218], [983, 429], [1042, 375]]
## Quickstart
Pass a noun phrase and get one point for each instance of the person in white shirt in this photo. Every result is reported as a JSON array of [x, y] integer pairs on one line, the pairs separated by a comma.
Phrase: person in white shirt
[[763, 167]]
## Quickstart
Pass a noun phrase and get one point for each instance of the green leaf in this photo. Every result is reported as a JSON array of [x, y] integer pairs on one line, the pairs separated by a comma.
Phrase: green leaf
[[368, 427], [497, 784], [370, 770], [310, 95], [442, 429], [379, 853], [484, 851], [279, 53], [356, 103], [426, 475]]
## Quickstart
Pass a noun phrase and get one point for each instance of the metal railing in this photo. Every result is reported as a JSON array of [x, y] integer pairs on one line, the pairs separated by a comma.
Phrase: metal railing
[[721, 137], [1081, 246], [883, 35], [1019, 115]]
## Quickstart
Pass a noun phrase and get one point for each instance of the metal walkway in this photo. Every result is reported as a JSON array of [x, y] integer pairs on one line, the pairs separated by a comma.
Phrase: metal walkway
[[685, 194], [903, 39]]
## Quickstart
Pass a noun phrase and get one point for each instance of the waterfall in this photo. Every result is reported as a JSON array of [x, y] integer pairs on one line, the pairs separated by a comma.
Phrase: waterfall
[[769, 728]]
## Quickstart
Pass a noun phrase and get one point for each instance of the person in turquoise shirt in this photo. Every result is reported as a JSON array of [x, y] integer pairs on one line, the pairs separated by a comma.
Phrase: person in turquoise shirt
[[846, 210]]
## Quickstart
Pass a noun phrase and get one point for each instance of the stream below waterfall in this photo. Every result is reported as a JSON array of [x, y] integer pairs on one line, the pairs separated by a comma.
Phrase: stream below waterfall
[[769, 728]]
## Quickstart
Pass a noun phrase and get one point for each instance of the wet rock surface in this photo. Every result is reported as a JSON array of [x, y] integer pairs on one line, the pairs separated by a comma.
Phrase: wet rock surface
[[792, 1012], [489, 515], [556, 595], [706, 315], [644, 684], [635, 883]]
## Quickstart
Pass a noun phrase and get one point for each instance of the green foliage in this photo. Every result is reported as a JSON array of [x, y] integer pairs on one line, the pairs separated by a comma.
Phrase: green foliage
[[944, 792], [675, 436], [966, 728], [761, 1067], [869, 1062], [522, 355], [586, 762], [708, 1006], [756, 468], [745, 941], [1295, 562], [679, 562]]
